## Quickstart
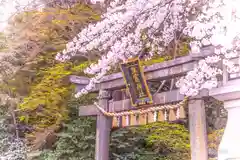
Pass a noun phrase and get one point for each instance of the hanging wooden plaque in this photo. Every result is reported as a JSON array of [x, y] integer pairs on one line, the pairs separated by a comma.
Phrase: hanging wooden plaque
[[136, 83]]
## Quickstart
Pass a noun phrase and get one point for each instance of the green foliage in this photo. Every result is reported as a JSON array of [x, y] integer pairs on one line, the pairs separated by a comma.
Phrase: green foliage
[[182, 49], [45, 84], [38, 32], [46, 104], [36, 37], [76, 142], [77, 139], [214, 139], [157, 141], [155, 59]]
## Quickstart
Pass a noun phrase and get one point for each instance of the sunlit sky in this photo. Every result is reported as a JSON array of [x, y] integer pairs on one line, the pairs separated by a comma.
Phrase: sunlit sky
[[10, 7]]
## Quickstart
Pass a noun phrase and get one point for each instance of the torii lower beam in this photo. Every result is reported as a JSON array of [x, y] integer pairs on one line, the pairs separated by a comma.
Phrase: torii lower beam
[[123, 105]]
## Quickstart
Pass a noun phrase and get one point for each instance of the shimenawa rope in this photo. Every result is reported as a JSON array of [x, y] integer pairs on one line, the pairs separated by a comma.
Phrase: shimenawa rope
[[142, 111]]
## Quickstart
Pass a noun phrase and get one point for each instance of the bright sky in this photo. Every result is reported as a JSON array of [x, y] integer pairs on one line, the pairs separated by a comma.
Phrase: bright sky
[[10, 7]]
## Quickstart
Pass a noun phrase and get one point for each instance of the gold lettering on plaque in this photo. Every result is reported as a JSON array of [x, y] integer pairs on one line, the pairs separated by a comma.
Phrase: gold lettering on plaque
[[137, 81]]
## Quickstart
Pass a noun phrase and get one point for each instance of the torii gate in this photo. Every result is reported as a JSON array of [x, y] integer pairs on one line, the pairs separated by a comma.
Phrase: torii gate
[[162, 71]]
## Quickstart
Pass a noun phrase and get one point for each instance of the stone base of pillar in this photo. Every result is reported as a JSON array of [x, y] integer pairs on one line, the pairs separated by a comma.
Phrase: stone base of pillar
[[229, 148]]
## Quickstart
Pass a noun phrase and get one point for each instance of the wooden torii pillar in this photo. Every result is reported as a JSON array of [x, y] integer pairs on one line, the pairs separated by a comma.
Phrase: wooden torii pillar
[[198, 127], [103, 129], [161, 71]]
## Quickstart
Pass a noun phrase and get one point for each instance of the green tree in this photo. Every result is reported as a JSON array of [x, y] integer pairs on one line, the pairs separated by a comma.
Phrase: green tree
[[42, 81]]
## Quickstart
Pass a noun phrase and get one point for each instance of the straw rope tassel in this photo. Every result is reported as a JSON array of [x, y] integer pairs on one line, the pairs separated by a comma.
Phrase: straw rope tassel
[[160, 116], [133, 120], [150, 117], [118, 121], [178, 113], [124, 122], [127, 120], [182, 113], [115, 122], [165, 115], [172, 115], [142, 119], [155, 116]]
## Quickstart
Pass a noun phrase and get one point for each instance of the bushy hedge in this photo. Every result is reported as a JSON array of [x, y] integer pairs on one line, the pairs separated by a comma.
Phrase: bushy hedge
[[157, 141]]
